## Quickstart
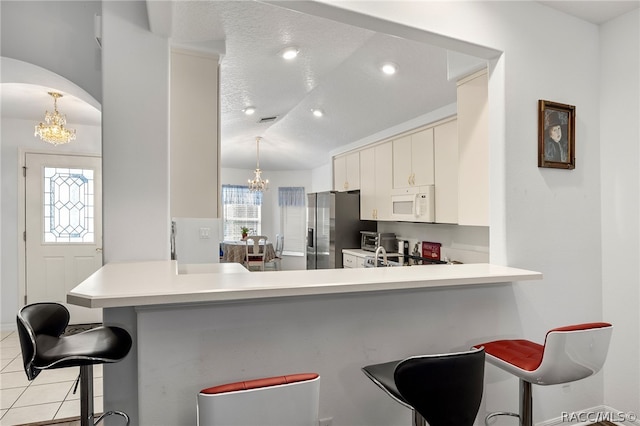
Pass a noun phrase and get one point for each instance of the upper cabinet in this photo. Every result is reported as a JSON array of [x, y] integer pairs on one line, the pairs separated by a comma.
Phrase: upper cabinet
[[473, 145], [346, 172], [375, 182], [413, 160], [445, 144]]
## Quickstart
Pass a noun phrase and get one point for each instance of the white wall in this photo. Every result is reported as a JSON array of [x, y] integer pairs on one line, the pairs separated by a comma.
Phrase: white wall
[[41, 32], [620, 154], [135, 124]]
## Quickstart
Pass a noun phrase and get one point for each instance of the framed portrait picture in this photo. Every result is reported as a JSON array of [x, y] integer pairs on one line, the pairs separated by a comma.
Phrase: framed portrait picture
[[556, 135]]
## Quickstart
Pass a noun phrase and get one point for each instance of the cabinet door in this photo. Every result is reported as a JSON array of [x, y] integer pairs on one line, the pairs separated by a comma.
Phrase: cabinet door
[[367, 184], [473, 132], [384, 180], [402, 162], [446, 172], [422, 158], [349, 261], [339, 173], [352, 163]]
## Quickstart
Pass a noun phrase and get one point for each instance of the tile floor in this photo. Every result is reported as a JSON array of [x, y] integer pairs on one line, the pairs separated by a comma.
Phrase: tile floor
[[48, 397]]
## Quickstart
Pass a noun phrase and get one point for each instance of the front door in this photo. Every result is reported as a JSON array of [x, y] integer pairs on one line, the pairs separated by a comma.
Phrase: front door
[[63, 220]]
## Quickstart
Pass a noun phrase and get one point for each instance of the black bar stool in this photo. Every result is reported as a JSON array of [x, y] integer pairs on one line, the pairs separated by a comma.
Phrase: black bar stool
[[40, 327], [443, 389], [569, 353]]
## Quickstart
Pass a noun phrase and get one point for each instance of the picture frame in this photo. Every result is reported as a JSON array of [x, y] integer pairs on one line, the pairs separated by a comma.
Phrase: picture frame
[[556, 135]]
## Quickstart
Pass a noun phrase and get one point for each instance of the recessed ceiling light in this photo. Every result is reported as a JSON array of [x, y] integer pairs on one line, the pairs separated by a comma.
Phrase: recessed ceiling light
[[317, 112], [289, 52], [389, 68], [249, 110]]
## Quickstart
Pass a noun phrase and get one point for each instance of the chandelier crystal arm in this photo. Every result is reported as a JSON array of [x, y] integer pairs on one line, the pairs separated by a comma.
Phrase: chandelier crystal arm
[[257, 183]]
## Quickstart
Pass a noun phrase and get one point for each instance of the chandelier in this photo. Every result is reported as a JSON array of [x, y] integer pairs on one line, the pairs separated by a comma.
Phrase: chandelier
[[257, 183], [54, 131]]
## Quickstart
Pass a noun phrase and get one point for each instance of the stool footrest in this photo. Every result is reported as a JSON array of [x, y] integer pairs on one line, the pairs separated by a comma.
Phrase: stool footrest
[[111, 413], [498, 413]]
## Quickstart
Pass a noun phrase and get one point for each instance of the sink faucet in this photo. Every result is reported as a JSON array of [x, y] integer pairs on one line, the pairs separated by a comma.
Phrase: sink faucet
[[380, 249]]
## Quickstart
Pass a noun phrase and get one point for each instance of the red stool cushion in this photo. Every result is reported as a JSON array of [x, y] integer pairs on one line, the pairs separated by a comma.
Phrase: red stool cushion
[[260, 383], [523, 354]]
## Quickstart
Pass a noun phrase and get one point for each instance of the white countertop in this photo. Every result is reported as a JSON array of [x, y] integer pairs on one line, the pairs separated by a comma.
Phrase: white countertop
[[158, 282]]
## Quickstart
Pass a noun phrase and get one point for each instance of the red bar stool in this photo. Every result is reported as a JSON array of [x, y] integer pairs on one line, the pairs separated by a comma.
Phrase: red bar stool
[[569, 353], [272, 401]]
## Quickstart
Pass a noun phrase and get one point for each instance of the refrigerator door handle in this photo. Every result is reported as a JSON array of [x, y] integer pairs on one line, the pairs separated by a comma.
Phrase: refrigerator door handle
[[309, 237]]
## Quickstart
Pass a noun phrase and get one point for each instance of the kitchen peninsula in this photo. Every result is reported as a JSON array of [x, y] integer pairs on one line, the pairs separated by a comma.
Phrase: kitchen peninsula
[[208, 326]]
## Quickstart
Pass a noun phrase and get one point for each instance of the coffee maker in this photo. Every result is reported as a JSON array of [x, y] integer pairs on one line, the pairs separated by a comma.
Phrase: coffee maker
[[403, 251]]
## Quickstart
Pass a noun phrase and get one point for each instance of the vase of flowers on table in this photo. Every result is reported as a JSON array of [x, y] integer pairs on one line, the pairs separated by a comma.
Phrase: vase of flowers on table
[[245, 232]]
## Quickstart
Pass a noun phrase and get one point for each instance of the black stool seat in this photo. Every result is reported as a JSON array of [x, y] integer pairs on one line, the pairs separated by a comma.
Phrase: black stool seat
[[443, 389], [40, 327], [96, 346]]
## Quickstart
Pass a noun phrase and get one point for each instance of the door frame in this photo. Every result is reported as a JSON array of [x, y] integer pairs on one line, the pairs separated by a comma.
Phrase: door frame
[[22, 213]]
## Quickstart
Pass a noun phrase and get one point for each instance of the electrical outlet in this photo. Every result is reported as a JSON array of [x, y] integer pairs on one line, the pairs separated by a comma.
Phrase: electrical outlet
[[327, 421], [204, 233]]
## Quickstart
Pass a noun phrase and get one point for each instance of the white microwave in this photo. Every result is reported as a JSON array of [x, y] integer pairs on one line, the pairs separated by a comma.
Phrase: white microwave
[[415, 204]]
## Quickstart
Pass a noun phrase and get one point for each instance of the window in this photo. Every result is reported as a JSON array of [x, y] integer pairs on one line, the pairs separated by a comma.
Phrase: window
[[291, 201], [68, 205], [241, 207]]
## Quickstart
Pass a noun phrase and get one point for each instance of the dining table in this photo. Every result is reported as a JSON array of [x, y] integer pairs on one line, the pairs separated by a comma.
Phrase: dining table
[[234, 251]]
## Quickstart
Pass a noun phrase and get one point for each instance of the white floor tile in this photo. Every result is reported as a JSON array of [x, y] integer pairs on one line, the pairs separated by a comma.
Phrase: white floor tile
[[57, 375], [97, 389], [14, 379], [10, 342], [97, 370], [69, 409], [9, 396], [2, 413], [4, 363], [9, 352], [15, 365], [30, 414], [43, 394], [6, 333]]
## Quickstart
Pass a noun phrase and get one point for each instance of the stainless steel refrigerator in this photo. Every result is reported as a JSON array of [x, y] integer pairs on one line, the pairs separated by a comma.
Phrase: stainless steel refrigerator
[[333, 224]]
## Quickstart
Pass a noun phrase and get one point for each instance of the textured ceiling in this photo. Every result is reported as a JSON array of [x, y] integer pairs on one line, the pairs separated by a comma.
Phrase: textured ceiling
[[337, 70]]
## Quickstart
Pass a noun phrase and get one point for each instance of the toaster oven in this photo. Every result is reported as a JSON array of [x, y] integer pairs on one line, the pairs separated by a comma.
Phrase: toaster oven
[[370, 241]]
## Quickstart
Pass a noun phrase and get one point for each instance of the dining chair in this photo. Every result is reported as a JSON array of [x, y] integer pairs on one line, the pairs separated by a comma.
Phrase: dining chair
[[276, 261], [253, 255]]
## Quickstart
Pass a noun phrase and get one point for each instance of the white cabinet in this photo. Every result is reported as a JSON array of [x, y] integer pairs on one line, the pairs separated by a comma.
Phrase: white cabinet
[[346, 172], [473, 145], [445, 138], [413, 160], [352, 261], [375, 182]]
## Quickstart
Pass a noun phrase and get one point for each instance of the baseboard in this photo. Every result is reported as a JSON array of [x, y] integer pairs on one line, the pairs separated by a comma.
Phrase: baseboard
[[592, 415]]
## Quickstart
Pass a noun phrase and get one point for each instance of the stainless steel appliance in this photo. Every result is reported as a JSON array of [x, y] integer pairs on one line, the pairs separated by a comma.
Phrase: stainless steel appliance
[[333, 224], [370, 241]]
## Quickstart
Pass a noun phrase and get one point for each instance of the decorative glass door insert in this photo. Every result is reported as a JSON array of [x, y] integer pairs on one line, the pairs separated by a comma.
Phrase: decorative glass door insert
[[68, 205]]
